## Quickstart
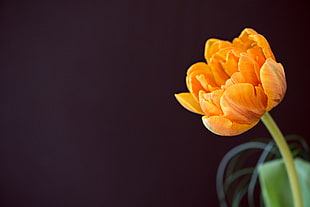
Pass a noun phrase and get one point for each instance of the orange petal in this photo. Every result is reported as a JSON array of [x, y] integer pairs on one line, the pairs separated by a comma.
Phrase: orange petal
[[210, 102], [246, 32], [231, 63], [263, 43], [199, 77], [243, 103], [258, 55], [273, 81], [222, 126], [226, 60], [243, 41], [220, 75], [214, 45], [216, 64], [188, 102], [234, 79], [249, 69], [250, 38]]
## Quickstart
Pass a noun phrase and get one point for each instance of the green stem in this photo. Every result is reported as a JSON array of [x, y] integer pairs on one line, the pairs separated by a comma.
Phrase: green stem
[[287, 157]]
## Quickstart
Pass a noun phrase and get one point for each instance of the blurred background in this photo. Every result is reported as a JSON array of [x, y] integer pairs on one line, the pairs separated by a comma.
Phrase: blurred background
[[87, 112]]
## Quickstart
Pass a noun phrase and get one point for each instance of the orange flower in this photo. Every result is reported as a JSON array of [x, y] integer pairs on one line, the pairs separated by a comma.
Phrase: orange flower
[[239, 83]]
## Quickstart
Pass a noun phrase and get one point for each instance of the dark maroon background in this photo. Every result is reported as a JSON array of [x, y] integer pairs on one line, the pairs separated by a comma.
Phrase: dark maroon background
[[87, 113]]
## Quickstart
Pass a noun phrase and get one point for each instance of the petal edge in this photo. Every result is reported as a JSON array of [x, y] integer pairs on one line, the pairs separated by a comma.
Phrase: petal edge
[[224, 127], [273, 81], [189, 102]]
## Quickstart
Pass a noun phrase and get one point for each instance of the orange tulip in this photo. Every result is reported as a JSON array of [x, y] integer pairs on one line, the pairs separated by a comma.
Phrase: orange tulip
[[239, 83]]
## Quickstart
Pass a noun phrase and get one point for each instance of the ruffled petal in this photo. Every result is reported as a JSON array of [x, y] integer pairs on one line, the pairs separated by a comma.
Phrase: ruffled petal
[[219, 74], [249, 38], [273, 81], [243, 103], [222, 126], [189, 102], [213, 46], [225, 62], [200, 77], [249, 69], [257, 54], [261, 42], [230, 65], [243, 41], [210, 102], [234, 79]]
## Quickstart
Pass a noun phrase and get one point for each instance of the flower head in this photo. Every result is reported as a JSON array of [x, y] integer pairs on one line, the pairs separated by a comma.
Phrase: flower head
[[237, 84]]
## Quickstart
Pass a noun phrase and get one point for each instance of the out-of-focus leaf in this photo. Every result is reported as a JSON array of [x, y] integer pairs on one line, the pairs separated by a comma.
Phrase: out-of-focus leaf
[[237, 175], [303, 171], [241, 190], [275, 185], [237, 166]]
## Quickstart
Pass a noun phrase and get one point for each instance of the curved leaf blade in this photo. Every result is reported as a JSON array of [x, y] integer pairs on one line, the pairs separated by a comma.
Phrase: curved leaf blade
[[275, 185]]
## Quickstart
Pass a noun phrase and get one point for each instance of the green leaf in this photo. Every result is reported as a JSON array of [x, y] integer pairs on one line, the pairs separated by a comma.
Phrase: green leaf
[[275, 185]]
